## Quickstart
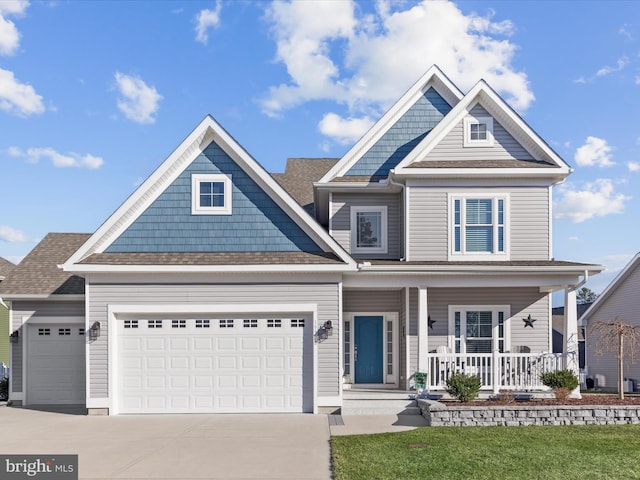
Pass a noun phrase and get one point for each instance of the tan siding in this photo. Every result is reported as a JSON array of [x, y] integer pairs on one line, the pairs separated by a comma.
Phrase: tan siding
[[341, 220], [623, 302], [372, 301], [530, 236], [21, 309], [428, 219], [522, 301], [505, 147], [324, 295]]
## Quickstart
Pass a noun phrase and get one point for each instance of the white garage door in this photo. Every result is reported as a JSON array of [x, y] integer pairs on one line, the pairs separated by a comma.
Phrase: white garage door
[[215, 365], [56, 364]]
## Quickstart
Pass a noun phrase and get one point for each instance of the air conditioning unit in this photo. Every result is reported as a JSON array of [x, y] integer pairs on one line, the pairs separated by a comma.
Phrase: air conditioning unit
[[628, 385]]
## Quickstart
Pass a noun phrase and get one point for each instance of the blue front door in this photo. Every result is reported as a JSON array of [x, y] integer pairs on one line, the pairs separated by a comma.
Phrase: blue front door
[[368, 350]]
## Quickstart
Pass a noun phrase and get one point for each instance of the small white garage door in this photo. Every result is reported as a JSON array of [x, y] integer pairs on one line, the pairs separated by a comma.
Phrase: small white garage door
[[215, 365], [56, 364]]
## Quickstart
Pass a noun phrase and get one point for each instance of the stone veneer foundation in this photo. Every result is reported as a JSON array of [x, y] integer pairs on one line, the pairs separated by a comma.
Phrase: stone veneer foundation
[[439, 415]]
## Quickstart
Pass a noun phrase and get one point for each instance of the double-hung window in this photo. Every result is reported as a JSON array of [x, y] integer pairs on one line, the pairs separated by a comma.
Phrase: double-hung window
[[369, 229], [479, 226], [479, 329], [210, 194]]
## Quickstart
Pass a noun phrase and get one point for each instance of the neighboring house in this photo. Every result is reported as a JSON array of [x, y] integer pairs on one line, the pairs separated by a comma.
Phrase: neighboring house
[[213, 289], [557, 314], [5, 268], [620, 299]]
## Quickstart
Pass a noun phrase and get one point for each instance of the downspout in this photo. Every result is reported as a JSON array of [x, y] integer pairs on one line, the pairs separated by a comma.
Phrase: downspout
[[581, 283], [3, 304]]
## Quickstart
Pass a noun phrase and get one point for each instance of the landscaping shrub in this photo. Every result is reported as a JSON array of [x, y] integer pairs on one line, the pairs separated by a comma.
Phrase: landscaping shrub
[[562, 382], [4, 388], [560, 379], [463, 387]]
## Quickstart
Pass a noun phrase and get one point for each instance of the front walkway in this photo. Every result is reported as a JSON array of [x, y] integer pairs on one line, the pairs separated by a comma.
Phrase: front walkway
[[278, 446]]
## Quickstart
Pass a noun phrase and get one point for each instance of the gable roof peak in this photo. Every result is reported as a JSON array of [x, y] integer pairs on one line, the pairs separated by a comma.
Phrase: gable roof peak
[[432, 78]]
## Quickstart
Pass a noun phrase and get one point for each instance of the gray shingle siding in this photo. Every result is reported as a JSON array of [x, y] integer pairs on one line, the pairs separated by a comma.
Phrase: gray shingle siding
[[402, 137], [257, 223]]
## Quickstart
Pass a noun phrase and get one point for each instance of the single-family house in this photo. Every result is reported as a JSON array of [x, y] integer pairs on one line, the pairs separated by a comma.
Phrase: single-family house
[[5, 267], [218, 287], [618, 301]]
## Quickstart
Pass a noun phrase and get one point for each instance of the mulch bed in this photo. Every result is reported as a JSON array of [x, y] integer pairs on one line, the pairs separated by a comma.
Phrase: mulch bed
[[587, 399]]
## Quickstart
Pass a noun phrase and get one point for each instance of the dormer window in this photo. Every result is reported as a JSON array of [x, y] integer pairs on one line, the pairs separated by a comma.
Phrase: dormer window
[[478, 131], [210, 194], [369, 229]]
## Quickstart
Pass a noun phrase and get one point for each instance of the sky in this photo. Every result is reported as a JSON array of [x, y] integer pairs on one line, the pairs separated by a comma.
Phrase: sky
[[95, 95]]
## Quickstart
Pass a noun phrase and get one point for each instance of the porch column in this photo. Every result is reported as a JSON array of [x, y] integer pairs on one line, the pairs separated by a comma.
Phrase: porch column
[[570, 338], [423, 330]]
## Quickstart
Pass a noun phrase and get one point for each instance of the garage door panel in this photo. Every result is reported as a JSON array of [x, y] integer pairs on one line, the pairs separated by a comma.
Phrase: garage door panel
[[219, 368], [56, 367]]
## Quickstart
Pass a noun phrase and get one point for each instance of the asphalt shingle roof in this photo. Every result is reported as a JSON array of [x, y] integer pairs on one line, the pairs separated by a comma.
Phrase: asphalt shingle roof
[[5, 267], [213, 258], [38, 272], [299, 176]]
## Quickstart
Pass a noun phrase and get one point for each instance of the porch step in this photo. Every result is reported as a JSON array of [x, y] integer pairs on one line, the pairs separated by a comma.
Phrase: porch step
[[379, 402]]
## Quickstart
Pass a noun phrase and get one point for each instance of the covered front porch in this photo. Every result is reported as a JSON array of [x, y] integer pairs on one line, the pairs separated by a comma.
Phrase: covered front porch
[[497, 327]]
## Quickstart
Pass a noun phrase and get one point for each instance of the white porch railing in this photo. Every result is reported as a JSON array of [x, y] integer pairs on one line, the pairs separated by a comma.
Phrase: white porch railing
[[497, 371]]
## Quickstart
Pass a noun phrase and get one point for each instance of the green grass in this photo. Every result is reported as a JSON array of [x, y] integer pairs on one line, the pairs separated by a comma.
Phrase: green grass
[[543, 452]]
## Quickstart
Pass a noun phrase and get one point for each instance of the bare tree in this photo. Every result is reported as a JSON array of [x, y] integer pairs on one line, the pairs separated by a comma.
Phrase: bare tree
[[617, 336]]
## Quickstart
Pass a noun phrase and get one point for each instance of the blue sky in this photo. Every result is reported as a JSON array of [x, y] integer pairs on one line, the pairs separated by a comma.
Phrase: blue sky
[[94, 95]]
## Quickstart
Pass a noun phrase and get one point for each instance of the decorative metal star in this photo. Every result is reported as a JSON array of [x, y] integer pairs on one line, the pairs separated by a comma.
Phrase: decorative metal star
[[430, 322], [528, 322]]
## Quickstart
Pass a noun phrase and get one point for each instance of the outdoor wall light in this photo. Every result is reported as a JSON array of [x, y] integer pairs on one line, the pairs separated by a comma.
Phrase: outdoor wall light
[[94, 331], [14, 337], [325, 330]]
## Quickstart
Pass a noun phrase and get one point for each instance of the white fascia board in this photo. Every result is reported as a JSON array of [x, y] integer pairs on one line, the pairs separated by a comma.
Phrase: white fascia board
[[432, 78], [626, 271], [54, 298], [482, 269], [482, 93], [207, 131], [89, 268], [549, 173]]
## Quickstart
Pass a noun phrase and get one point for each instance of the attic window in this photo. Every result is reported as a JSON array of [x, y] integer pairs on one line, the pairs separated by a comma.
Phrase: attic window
[[210, 194], [478, 131]]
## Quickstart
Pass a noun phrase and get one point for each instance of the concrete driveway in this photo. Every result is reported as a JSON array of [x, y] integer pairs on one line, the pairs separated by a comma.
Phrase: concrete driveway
[[175, 446]]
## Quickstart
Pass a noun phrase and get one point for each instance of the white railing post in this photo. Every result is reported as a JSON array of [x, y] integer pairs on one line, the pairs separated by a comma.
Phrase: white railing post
[[496, 375]]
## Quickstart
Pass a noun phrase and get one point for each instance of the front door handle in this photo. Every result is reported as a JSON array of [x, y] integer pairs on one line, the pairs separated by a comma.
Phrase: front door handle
[[355, 353]]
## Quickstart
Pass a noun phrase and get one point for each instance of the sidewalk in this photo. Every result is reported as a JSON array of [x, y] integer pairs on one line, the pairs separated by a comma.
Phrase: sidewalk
[[368, 424]]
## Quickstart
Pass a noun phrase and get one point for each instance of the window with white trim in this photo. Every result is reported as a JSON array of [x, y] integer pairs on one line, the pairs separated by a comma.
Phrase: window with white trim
[[479, 225], [369, 229], [478, 131], [479, 329], [210, 194]]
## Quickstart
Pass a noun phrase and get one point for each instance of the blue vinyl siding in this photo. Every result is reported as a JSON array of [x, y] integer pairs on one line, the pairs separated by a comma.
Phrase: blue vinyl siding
[[257, 223], [402, 137]]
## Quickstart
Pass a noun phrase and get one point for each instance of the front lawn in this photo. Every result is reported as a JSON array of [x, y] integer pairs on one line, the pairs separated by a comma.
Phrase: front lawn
[[542, 452]]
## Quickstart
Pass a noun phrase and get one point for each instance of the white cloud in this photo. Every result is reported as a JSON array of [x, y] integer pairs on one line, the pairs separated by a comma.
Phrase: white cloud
[[638, 80], [574, 238], [9, 35], [596, 199], [595, 151], [344, 131], [18, 98], [139, 102], [33, 155], [207, 19], [624, 31], [368, 61], [633, 166], [11, 235], [606, 70]]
